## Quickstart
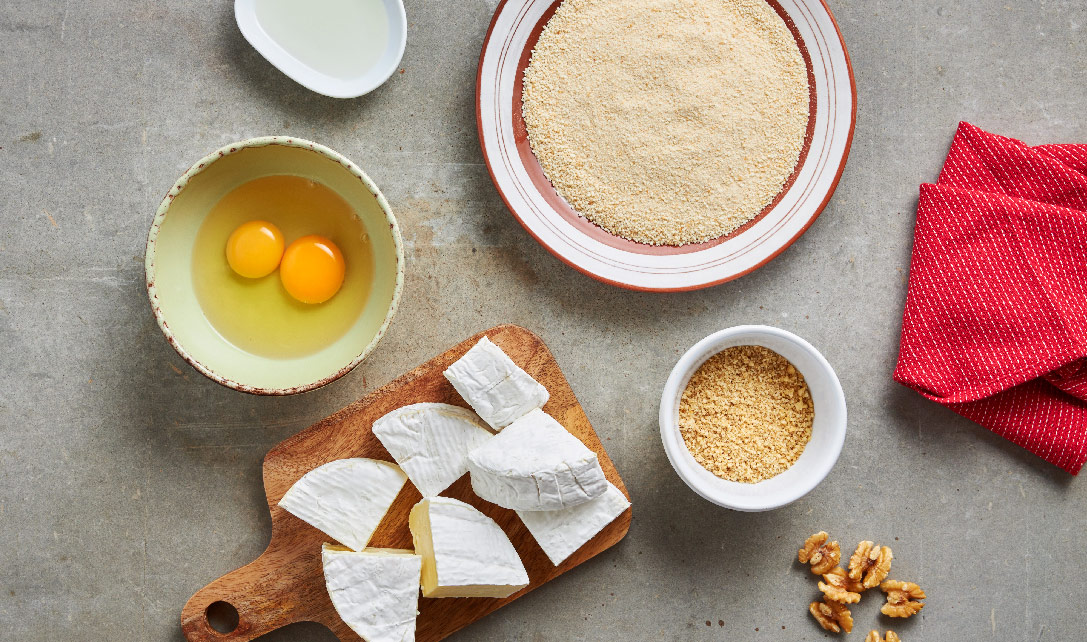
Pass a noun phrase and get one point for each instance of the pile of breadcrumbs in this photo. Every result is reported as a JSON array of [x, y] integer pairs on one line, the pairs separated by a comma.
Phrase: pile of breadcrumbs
[[746, 414], [667, 121]]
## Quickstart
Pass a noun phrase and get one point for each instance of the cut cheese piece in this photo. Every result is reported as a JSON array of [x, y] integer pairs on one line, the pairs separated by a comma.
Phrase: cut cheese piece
[[561, 532], [346, 498], [431, 442], [496, 388], [536, 464], [465, 553], [375, 591]]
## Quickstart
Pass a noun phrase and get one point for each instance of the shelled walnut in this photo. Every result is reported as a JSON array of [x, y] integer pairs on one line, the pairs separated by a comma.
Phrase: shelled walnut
[[901, 598], [870, 564], [832, 616], [822, 556], [837, 586], [868, 567]]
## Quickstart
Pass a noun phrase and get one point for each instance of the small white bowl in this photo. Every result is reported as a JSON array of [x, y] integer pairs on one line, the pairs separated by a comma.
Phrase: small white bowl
[[365, 81], [827, 435]]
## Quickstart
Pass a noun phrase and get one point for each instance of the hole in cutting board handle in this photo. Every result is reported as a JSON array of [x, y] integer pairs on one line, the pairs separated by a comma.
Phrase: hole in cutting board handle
[[222, 617]]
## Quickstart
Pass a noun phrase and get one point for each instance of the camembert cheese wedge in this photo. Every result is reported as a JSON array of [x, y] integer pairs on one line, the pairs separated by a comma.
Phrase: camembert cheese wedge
[[561, 532], [431, 442], [496, 388], [346, 498], [536, 464], [465, 553], [375, 591]]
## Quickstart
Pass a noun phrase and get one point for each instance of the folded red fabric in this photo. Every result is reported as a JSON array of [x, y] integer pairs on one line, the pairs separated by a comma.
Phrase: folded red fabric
[[995, 325]]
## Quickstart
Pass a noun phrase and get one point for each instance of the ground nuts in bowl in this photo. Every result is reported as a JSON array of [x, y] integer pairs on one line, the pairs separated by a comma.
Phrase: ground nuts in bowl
[[752, 418]]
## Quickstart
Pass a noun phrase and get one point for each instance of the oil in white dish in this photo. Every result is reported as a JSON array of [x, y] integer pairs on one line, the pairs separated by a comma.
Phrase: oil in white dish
[[339, 38]]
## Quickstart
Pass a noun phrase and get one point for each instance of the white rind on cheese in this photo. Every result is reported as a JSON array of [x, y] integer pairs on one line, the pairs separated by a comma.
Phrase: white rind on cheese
[[375, 591], [536, 464], [346, 498], [431, 442], [562, 532], [496, 388], [465, 553]]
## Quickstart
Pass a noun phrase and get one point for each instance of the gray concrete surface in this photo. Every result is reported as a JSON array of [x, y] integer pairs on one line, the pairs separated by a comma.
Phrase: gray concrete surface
[[128, 481]]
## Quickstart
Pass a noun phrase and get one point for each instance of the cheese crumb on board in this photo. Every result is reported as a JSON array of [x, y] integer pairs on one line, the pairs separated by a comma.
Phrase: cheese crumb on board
[[667, 121], [536, 464], [431, 442], [346, 498], [746, 414], [465, 553], [561, 533], [497, 388], [375, 591]]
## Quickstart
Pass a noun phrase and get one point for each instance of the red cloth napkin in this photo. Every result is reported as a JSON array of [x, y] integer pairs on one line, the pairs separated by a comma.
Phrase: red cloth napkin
[[995, 326]]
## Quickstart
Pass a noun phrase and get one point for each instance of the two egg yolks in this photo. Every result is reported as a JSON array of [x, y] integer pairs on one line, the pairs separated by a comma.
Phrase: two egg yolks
[[311, 268]]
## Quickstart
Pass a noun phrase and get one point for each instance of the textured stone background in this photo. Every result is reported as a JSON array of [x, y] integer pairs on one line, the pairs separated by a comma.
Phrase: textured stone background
[[128, 481]]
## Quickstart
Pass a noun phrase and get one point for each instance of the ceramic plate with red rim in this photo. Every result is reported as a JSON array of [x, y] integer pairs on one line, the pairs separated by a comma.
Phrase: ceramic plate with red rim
[[576, 241]]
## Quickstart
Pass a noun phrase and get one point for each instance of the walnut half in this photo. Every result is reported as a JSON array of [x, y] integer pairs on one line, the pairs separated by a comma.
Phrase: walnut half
[[901, 598], [822, 556], [870, 564], [832, 616], [838, 587], [873, 636]]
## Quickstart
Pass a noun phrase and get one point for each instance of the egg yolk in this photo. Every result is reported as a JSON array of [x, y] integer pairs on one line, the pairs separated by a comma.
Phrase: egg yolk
[[254, 249], [312, 269]]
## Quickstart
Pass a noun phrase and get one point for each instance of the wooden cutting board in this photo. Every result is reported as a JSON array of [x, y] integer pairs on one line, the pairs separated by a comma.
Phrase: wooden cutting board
[[286, 583]]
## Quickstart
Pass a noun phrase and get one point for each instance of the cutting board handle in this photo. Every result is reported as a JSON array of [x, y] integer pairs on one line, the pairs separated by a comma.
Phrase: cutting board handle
[[250, 590]]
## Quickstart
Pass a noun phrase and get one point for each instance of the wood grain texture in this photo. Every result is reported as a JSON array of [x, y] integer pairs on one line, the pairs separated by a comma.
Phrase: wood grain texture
[[286, 584]]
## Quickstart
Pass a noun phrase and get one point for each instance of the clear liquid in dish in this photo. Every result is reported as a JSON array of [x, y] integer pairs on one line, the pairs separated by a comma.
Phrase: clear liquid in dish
[[339, 38]]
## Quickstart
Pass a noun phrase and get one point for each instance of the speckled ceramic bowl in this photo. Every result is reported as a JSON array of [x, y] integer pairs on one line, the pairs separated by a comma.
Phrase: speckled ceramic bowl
[[169, 264]]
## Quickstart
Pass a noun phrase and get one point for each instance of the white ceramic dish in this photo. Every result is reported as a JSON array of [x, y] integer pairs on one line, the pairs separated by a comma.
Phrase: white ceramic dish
[[530, 197], [367, 78], [828, 429]]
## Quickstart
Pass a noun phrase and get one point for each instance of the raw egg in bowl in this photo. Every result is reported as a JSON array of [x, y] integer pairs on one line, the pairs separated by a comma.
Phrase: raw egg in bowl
[[274, 265]]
